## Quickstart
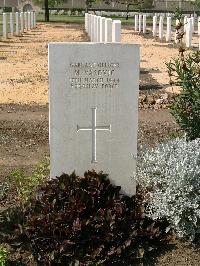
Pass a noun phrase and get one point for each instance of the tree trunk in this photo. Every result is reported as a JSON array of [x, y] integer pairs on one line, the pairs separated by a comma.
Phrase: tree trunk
[[127, 11], [86, 6], [46, 6]]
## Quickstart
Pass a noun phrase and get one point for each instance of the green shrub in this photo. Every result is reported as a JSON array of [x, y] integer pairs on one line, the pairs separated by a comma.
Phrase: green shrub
[[170, 175], [185, 72], [87, 221], [26, 184], [3, 256]]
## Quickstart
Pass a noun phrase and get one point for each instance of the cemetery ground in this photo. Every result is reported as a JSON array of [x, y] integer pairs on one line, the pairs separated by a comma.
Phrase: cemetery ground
[[24, 112]]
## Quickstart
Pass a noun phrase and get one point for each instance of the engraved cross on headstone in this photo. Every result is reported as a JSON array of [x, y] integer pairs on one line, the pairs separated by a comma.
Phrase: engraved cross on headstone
[[94, 129]]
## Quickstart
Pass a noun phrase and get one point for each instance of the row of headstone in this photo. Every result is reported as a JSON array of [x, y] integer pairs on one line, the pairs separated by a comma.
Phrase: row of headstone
[[101, 29], [16, 23], [68, 13], [189, 22]]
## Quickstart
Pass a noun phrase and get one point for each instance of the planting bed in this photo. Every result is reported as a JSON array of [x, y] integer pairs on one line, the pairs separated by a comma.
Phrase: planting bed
[[24, 112]]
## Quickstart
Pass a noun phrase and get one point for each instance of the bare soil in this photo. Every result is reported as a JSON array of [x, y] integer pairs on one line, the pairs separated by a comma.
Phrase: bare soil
[[24, 108]]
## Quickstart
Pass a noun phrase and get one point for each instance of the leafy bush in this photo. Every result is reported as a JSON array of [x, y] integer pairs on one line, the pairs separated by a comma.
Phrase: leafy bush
[[3, 256], [26, 184], [170, 174], [86, 221], [4, 188], [184, 71]]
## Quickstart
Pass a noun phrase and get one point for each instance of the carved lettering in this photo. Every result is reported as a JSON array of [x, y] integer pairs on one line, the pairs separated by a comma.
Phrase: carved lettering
[[92, 75]]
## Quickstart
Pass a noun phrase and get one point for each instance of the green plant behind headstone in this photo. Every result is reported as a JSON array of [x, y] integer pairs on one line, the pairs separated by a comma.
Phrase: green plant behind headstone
[[26, 184], [184, 71]]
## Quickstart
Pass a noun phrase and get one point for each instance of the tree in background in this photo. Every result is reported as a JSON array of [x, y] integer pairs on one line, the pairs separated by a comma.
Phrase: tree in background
[[88, 4], [47, 4], [127, 3]]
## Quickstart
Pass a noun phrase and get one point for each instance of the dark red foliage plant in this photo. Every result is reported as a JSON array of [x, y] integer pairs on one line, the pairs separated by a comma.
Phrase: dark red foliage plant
[[87, 221]]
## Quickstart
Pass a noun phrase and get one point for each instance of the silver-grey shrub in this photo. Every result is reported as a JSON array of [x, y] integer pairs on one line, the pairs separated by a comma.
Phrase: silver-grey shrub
[[170, 173]]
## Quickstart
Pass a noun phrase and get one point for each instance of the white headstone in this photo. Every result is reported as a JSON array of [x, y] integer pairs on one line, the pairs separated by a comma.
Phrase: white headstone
[[108, 30], [193, 21], [161, 28], [136, 22], [144, 23], [11, 24], [22, 21], [116, 31], [86, 22], [94, 28], [26, 20], [89, 25], [154, 26], [34, 19], [169, 29], [185, 23], [188, 35], [199, 26], [17, 23], [140, 23], [102, 29], [5, 32], [29, 20], [176, 32], [94, 109], [98, 28]]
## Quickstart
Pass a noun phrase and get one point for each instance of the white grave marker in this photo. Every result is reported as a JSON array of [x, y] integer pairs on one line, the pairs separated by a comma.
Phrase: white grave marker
[[102, 29], [22, 21], [94, 109], [17, 23], [5, 32], [11, 24], [116, 31], [108, 30], [154, 26], [169, 29], [144, 23], [29, 20], [98, 28], [86, 22], [199, 26], [25, 20], [161, 27], [140, 23], [136, 22]]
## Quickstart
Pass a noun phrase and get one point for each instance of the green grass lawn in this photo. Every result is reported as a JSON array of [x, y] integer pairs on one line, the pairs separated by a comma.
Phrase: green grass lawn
[[80, 20]]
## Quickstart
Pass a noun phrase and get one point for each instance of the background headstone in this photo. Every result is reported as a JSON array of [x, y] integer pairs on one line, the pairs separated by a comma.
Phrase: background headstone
[[116, 31], [11, 24], [5, 32], [108, 30], [154, 26]]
